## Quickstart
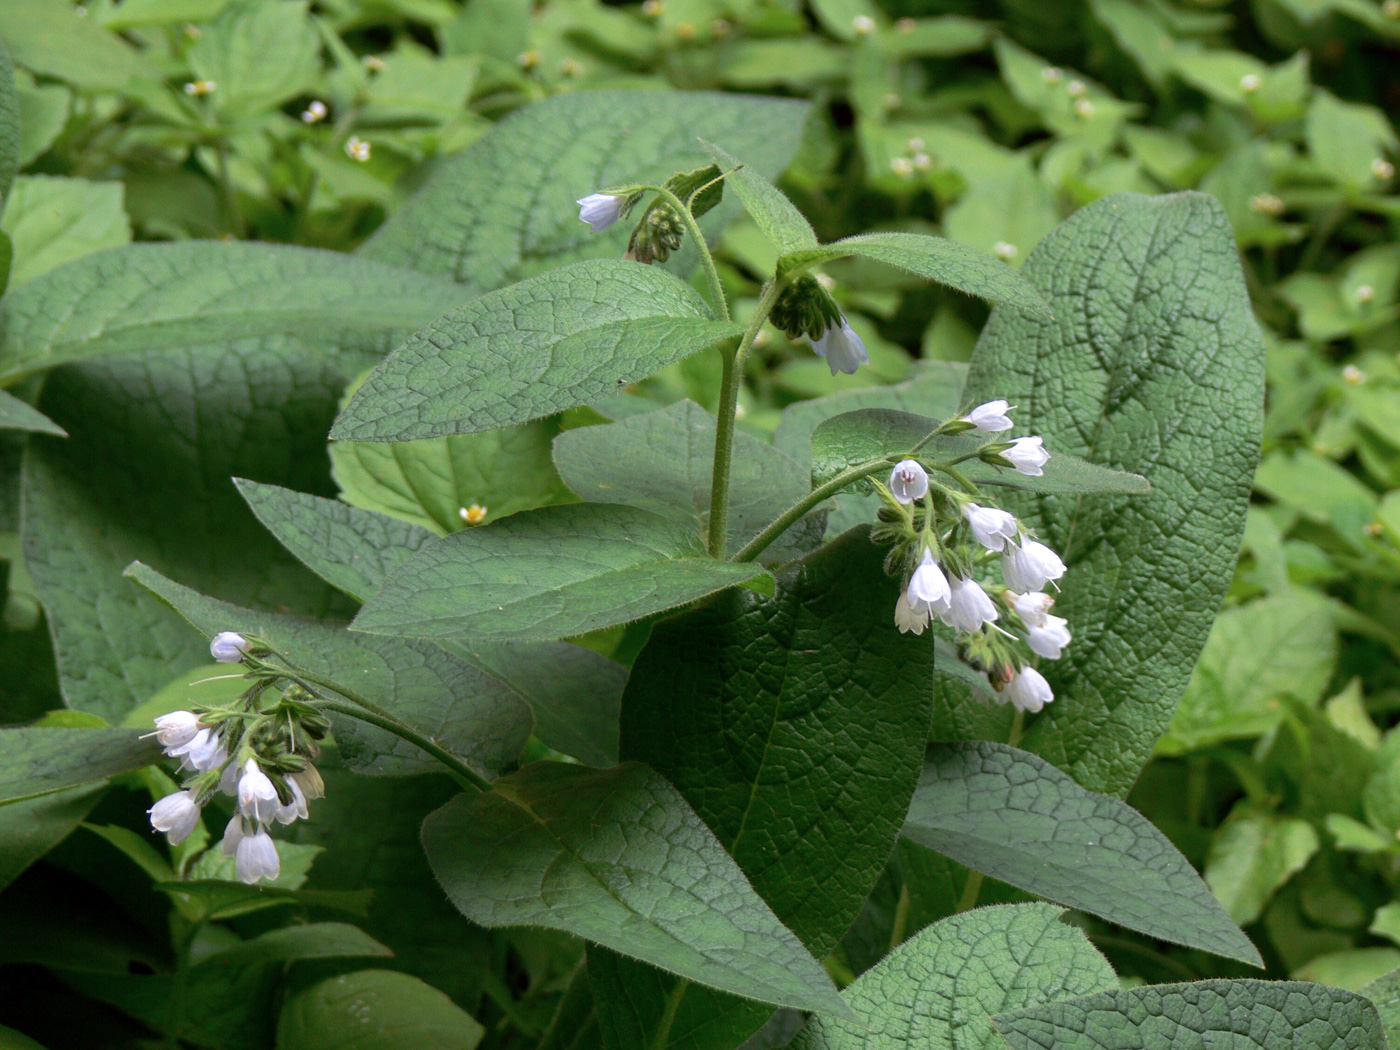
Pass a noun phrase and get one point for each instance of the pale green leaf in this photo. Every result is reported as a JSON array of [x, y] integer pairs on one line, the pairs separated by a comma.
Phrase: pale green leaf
[[1384, 993], [1344, 138], [9, 126], [774, 214], [31, 828], [56, 40], [53, 220], [257, 55], [1254, 853], [21, 415], [375, 1010]]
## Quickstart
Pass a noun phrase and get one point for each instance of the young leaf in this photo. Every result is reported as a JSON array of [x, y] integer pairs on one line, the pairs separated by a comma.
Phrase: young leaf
[[662, 461], [774, 214], [20, 415], [550, 573], [574, 692], [804, 783], [563, 339], [936, 259], [257, 55], [1204, 1015], [504, 209], [617, 857], [1155, 343], [375, 1010], [147, 297], [941, 987], [38, 761], [467, 713], [1017, 818]]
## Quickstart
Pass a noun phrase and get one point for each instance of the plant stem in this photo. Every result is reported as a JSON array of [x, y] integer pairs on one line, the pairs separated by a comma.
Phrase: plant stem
[[971, 889], [730, 382], [662, 1034], [901, 918], [336, 687], [706, 259], [460, 771], [759, 543]]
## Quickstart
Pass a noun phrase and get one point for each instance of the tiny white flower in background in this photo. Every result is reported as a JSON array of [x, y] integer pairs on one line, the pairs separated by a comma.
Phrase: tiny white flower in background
[[991, 417], [1005, 250], [842, 348], [1050, 639], [1364, 293], [864, 25], [906, 26], [1084, 108], [1249, 83], [915, 145], [357, 148], [1382, 168], [228, 647], [293, 809], [893, 100], [1052, 74], [200, 87], [1353, 376], [255, 857], [176, 729], [1029, 690], [233, 835], [826, 281], [906, 619], [1030, 566], [176, 815], [908, 481], [902, 166], [928, 587], [922, 162], [1031, 607], [599, 210], [991, 526], [373, 63], [1076, 89], [1028, 455], [315, 112], [968, 605], [257, 798]]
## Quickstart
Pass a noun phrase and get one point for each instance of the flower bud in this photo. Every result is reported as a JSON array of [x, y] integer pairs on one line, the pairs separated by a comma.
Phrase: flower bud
[[991, 417], [842, 348], [1027, 455], [600, 210], [228, 647]]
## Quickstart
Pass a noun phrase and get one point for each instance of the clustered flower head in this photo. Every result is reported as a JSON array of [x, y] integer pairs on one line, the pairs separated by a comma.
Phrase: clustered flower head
[[805, 309], [257, 751], [945, 536]]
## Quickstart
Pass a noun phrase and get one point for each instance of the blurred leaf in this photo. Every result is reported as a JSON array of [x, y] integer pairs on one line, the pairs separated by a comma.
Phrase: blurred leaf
[[375, 1010], [20, 415], [1254, 853], [257, 55], [53, 220], [10, 141], [55, 40], [1345, 138], [30, 828], [40, 761]]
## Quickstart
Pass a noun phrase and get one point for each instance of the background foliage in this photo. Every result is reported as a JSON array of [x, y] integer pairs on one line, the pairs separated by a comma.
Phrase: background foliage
[[986, 121]]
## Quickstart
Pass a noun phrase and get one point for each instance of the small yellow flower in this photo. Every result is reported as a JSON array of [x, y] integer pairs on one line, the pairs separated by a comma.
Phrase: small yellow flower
[[473, 515], [1353, 376], [528, 59], [1266, 204], [357, 148]]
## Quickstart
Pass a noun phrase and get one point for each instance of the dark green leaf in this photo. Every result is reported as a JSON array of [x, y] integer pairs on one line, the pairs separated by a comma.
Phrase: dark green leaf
[[1384, 993], [773, 213], [556, 341], [38, 761], [1205, 1015], [375, 1010], [31, 828], [937, 259], [1017, 818], [20, 415], [147, 297], [549, 573], [686, 183], [618, 858], [1153, 365], [504, 209], [941, 987], [467, 713]]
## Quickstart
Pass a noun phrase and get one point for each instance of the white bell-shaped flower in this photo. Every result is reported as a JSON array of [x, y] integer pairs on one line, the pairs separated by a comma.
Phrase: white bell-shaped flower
[[257, 798], [928, 587], [233, 835], [991, 417], [968, 605], [256, 858], [228, 647], [991, 526], [842, 348], [176, 729], [1028, 455], [600, 210], [201, 752], [1028, 690], [309, 780], [1030, 566], [908, 481], [1049, 639], [907, 619], [1032, 607], [228, 780], [293, 809], [176, 815]]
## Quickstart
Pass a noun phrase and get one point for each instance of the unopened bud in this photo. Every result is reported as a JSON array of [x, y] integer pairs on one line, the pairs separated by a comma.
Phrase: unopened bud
[[1266, 204], [1249, 83]]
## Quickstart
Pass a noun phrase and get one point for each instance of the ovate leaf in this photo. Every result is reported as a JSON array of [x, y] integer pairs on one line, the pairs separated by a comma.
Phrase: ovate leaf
[[38, 761], [550, 573], [940, 988], [1017, 818], [258, 55], [1153, 365], [556, 341], [467, 713], [20, 415], [148, 297], [504, 210], [57, 41], [31, 828], [774, 214], [618, 858], [52, 220], [1205, 1015], [375, 1010]]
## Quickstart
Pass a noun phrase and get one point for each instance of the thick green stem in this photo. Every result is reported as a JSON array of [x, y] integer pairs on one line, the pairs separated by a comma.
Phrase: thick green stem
[[460, 771], [782, 523], [662, 1036], [971, 889]]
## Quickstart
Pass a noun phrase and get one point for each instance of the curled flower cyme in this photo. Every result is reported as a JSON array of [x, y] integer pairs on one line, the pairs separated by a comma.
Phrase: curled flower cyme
[[1028, 455], [600, 210], [991, 417], [228, 647], [1030, 566], [1049, 639], [991, 526], [255, 857], [968, 605], [842, 349], [908, 481], [1028, 690], [176, 815]]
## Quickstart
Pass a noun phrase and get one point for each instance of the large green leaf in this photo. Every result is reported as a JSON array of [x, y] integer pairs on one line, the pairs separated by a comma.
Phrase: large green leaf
[[9, 126], [563, 339], [20, 415], [869, 433], [375, 1010], [38, 761], [504, 210], [1017, 818], [467, 713], [937, 259], [574, 692], [1384, 992], [1204, 1015], [52, 220], [770, 210], [53, 39], [939, 989], [549, 573], [144, 475], [662, 461], [618, 858], [147, 297], [258, 55], [1154, 365], [31, 828]]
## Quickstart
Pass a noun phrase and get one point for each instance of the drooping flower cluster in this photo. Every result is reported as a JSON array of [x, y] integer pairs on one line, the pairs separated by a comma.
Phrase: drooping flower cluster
[[944, 534], [259, 753]]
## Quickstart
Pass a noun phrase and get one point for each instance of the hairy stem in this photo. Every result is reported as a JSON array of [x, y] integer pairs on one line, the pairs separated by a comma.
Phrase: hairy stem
[[706, 259], [460, 771]]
